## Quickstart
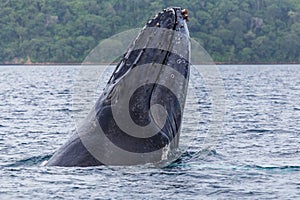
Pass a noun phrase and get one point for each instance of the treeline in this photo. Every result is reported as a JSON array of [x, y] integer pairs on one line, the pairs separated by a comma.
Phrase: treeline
[[230, 30]]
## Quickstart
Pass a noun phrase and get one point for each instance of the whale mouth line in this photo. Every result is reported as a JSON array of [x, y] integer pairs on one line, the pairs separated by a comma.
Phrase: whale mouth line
[[118, 73]]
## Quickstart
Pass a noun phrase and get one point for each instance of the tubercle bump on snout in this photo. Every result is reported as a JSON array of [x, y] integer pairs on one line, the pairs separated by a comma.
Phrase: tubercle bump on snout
[[184, 12], [169, 18]]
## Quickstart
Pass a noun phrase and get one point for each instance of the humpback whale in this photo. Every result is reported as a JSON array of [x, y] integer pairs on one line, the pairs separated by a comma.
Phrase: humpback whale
[[137, 119]]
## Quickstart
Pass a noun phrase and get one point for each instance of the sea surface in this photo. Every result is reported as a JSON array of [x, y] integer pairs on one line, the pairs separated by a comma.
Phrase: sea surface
[[255, 154]]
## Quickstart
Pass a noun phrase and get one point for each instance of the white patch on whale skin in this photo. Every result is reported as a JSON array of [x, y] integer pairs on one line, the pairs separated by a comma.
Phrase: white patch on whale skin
[[44, 163], [165, 152]]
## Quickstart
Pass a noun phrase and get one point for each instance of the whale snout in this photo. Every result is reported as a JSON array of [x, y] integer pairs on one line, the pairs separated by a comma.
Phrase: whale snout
[[170, 18]]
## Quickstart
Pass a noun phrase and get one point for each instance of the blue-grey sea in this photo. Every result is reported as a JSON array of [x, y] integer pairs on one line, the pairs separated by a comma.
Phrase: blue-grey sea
[[255, 155]]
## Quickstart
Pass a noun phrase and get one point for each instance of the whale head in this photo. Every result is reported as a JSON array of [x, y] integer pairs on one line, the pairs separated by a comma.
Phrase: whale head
[[137, 119]]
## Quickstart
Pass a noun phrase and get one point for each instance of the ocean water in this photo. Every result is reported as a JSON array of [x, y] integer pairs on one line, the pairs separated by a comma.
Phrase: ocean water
[[256, 153]]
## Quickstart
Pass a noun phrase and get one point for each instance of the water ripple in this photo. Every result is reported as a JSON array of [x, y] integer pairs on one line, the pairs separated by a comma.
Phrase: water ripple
[[256, 156]]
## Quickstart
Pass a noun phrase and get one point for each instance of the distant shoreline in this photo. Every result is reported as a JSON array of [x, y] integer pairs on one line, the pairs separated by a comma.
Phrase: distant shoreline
[[215, 63]]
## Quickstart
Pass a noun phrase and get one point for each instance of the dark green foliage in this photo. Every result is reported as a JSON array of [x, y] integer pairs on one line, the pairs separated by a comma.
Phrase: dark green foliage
[[230, 30]]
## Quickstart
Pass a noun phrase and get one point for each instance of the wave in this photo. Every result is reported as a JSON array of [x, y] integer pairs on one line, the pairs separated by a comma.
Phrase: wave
[[29, 162], [192, 156], [286, 167]]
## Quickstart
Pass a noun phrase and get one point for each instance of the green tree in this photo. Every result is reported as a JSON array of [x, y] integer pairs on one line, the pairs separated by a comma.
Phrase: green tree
[[231, 30]]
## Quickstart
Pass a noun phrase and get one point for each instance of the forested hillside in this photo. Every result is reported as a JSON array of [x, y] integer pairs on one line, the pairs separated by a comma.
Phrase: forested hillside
[[230, 30]]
